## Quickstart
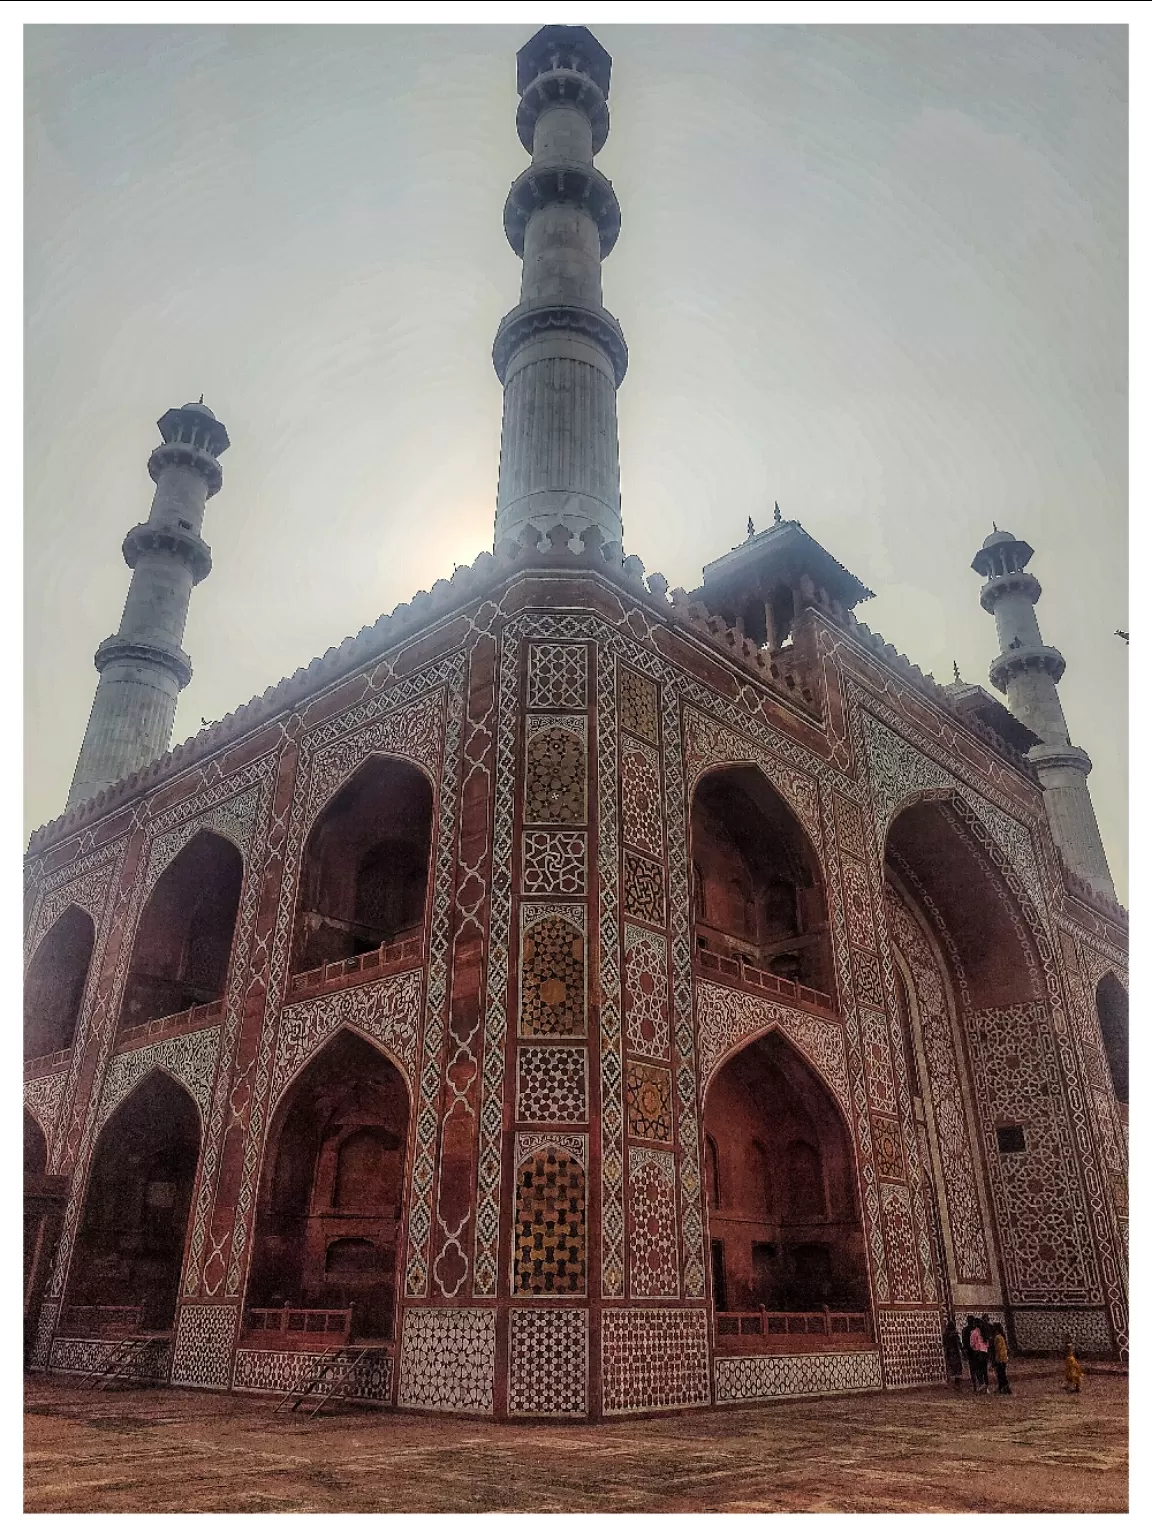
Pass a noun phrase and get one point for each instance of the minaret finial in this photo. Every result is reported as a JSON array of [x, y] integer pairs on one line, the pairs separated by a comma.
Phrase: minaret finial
[[776, 512], [751, 529], [201, 399], [956, 671]]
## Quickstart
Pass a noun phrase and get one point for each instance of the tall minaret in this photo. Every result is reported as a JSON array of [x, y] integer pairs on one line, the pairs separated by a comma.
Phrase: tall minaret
[[559, 354], [1027, 670], [142, 667]]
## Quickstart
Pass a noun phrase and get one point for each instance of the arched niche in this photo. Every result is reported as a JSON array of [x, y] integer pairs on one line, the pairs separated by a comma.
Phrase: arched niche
[[364, 874], [130, 1248], [1112, 1011], [35, 1147], [977, 920], [788, 1235], [758, 890], [55, 982], [329, 1216], [184, 937]]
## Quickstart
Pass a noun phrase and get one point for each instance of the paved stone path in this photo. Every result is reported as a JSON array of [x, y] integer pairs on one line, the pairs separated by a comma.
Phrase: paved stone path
[[140, 1450]]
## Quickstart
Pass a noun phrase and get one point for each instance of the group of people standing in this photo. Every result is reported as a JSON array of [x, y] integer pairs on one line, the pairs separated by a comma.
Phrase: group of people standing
[[981, 1344]]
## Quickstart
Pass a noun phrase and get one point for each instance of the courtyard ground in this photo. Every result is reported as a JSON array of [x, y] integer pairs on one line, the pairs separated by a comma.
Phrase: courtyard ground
[[134, 1450]]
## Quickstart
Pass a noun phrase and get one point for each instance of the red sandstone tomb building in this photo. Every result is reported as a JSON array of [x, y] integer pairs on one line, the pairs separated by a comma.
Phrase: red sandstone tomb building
[[570, 997]]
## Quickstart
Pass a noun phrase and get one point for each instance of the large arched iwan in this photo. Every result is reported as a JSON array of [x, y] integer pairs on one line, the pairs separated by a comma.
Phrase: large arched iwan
[[1112, 1011], [329, 1217], [783, 1213], [758, 890], [364, 875], [125, 1273], [184, 937], [55, 981]]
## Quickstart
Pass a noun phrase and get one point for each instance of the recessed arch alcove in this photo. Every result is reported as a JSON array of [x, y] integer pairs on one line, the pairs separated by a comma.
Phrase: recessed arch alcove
[[1112, 1011], [783, 1212], [184, 937], [130, 1248], [364, 873], [35, 1146], [328, 1221], [55, 981], [758, 888]]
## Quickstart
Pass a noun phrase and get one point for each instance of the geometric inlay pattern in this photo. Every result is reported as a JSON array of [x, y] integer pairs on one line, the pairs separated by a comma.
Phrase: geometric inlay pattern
[[448, 1359], [1046, 1328], [202, 1354], [886, 1148], [548, 1361], [557, 676], [552, 1083], [640, 804], [387, 1010], [646, 992], [900, 1243], [746, 1378], [42, 1100], [551, 1216], [554, 863], [653, 1268], [648, 1102], [912, 1343], [552, 974], [725, 1017], [81, 1356], [643, 889], [877, 1061], [858, 904], [654, 1358], [280, 1370], [639, 705], [933, 1022], [190, 1059], [555, 774]]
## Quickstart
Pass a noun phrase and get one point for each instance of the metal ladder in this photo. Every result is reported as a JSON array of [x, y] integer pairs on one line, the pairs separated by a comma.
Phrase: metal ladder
[[333, 1370], [116, 1365]]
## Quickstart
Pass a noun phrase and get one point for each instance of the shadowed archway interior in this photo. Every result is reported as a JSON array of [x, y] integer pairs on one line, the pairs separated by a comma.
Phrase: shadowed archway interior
[[1112, 1011], [130, 1249], [54, 985], [329, 1214]]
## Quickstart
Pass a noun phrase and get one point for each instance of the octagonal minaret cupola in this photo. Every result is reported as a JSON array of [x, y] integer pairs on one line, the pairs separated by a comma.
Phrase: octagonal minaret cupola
[[1028, 671], [559, 354], [142, 667]]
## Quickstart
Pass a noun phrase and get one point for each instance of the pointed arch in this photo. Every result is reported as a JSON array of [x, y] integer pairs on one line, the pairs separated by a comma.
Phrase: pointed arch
[[793, 1240], [134, 1224], [364, 873], [330, 1210], [1112, 1012], [184, 938], [759, 886], [55, 982]]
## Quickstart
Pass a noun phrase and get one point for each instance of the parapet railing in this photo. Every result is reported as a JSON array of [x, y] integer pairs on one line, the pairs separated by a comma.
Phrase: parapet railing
[[85, 1322], [171, 1023], [336, 1323], [41, 1066], [387, 957], [764, 1324], [740, 970]]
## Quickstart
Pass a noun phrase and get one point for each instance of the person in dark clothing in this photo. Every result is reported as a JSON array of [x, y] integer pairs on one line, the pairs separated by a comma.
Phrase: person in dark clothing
[[998, 1351], [953, 1353], [971, 1355]]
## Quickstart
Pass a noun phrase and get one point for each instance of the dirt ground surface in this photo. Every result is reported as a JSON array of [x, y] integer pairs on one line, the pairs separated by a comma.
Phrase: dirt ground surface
[[137, 1450]]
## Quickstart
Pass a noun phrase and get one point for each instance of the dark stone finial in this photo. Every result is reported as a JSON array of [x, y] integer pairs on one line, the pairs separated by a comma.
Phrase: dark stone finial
[[777, 515], [956, 672], [751, 529]]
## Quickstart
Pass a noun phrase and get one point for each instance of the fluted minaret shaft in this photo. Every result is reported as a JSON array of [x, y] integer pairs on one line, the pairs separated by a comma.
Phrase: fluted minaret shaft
[[1028, 671], [560, 355], [142, 667]]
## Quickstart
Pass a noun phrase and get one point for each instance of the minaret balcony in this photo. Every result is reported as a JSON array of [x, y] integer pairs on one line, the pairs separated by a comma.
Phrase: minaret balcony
[[149, 653], [160, 538], [1026, 658], [1011, 581], [563, 88], [187, 456], [526, 323], [542, 186]]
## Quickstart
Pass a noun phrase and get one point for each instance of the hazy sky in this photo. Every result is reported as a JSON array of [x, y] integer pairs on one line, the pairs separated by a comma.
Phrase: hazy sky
[[877, 273]]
